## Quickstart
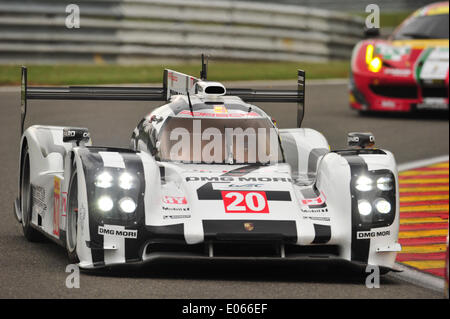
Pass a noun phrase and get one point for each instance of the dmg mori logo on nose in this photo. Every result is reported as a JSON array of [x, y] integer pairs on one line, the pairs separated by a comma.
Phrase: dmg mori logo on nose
[[249, 226]]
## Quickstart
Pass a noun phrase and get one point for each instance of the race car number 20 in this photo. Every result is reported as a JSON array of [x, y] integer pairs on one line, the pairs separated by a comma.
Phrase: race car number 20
[[245, 202]]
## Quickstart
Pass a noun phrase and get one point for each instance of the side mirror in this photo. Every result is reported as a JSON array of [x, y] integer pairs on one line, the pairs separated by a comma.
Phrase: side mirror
[[371, 33], [360, 140]]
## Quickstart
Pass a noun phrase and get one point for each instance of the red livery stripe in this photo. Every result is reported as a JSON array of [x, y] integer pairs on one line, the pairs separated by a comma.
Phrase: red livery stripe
[[440, 272], [423, 226], [405, 178], [406, 194], [441, 214], [404, 185], [425, 202], [422, 256], [422, 241]]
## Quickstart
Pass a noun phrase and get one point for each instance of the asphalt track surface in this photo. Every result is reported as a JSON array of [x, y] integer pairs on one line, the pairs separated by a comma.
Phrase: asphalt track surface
[[30, 270]]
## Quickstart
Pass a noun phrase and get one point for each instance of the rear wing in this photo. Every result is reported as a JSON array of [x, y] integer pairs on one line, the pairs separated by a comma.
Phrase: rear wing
[[174, 83], [277, 96]]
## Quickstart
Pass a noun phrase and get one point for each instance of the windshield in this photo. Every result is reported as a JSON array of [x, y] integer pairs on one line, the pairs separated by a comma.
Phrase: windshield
[[219, 141], [424, 27]]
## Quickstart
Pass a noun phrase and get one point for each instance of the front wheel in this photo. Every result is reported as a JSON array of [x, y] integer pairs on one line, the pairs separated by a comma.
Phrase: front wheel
[[30, 233], [72, 219]]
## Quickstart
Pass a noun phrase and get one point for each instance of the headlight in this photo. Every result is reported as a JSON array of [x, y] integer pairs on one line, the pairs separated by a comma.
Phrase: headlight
[[369, 53], [383, 206], [373, 63], [126, 181], [127, 205], [364, 207], [105, 203], [384, 183], [104, 180], [364, 184]]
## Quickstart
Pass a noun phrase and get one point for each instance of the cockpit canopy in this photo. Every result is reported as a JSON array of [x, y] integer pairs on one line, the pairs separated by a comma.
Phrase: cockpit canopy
[[216, 140]]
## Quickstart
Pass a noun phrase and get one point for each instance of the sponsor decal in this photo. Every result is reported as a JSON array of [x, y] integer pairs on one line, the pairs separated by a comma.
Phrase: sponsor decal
[[372, 234], [82, 212], [314, 210], [315, 205], [227, 115], [176, 216], [244, 185], [38, 195], [175, 209], [125, 233], [320, 200], [388, 103], [172, 77], [392, 53], [322, 219], [433, 104], [177, 200], [220, 109], [245, 202], [397, 72], [207, 171], [56, 205], [72, 133], [64, 203], [175, 205], [432, 64], [249, 226]]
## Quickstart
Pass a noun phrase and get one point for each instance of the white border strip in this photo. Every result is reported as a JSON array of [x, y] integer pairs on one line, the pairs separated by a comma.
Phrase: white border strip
[[422, 163], [410, 274]]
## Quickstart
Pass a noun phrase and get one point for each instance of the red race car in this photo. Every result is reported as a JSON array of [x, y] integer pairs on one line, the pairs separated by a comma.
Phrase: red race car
[[409, 70]]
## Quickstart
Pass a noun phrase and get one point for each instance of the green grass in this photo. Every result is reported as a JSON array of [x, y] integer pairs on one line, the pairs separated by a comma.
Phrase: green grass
[[393, 19], [219, 71]]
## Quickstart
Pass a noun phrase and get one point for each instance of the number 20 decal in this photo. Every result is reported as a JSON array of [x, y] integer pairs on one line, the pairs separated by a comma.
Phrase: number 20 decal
[[245, 202]]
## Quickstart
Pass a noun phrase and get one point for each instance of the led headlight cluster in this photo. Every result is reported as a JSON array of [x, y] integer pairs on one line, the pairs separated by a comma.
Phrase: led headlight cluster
[[105, 203], [127, 205], [375, 197], [105, 180], [367, 184], [381, 205], [125, 181]]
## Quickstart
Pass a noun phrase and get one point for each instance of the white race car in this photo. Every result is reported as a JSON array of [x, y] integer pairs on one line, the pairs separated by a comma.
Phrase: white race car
[[162, 199]]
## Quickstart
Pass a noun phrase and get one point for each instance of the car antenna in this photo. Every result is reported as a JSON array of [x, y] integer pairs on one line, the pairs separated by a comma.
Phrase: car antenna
[[204, 71], [190, 103]]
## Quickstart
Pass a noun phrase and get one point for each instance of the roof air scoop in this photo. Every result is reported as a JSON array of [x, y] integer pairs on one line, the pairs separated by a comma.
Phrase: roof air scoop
[[209, 90]]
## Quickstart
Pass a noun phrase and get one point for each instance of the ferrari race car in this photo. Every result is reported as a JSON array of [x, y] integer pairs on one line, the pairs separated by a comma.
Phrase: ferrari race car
[[408, 71], [207, 176]]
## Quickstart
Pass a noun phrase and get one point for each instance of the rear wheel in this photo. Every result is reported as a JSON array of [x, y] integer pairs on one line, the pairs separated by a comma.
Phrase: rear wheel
[[72, 219], [30, 233]]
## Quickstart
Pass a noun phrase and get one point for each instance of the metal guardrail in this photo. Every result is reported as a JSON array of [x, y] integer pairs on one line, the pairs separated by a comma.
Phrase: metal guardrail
[[356, 5], [142, 30]]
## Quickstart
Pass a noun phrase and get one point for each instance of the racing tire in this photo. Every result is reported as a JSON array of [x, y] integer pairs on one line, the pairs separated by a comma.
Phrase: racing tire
[[364, 113], [26, 201], [72, 219]]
